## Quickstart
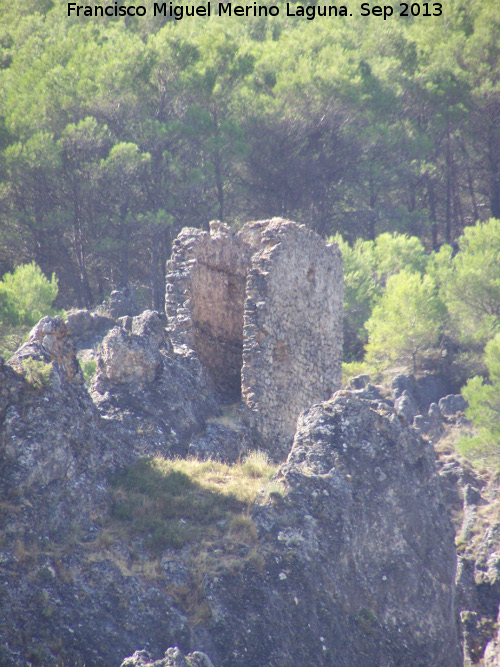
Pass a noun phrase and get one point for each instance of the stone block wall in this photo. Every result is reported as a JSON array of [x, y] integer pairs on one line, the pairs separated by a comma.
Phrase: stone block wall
[[292, 335], [262, 309], [205, 295]]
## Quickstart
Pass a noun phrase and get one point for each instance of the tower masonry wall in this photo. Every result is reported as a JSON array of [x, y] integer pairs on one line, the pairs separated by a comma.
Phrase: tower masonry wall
[[292, 335], [205, 295], [262, 309]]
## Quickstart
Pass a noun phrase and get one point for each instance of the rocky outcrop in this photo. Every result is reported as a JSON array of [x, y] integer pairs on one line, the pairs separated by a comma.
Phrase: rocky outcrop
[[359, 557], [451, 404], [65, 598], [478, 572], [88, 328], [416, 401], [152, 397], [424, 390], [53, 454], [173, 658]]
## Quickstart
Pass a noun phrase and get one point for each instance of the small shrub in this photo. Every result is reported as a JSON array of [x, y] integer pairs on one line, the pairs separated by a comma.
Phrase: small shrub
[[367, 621], [242, 529], [406, 322], [37, 373], [256, 464], [88, 370], [162, 535], [193, 601], [255, 561], [275, 491], [105, 539], [11, 339], [484, 408]]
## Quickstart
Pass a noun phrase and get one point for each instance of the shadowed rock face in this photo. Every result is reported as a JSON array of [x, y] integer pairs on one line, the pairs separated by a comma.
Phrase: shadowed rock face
[[205, 297], [359, 556], [52, 454]]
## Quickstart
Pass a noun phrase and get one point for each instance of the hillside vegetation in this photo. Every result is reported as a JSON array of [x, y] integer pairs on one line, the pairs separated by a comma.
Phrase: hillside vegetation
[[438, 312], [117, 132]]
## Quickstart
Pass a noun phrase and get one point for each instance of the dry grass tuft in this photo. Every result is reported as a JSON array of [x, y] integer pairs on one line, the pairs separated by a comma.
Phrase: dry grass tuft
[[175, 502]]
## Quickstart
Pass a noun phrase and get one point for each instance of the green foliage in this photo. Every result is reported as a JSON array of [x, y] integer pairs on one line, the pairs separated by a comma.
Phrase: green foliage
[[11, 339], [439, 267], [406, 321], [367, 267], [8, 312], [397, 252], [256, 465], [37, 373], [400, 299], [471, 285], [88, 370], [360, 292], [26, 296], [484, 407], [116, 133], [353, 368]]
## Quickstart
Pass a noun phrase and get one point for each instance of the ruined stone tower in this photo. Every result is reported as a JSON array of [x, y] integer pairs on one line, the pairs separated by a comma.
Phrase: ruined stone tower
[[262, 309]]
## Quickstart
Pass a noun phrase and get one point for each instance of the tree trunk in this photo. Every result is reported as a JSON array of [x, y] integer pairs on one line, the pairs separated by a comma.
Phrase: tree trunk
[[217, 162], [432, 212], [447, 232], [124, 247]]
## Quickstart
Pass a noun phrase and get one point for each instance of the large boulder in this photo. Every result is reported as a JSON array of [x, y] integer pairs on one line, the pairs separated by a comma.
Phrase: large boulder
[[53, 454], [451, 404], [358, 558], [152, 397], [127, 357]]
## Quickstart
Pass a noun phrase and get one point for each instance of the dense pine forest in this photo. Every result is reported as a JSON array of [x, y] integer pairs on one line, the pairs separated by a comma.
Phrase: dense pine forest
[[115, 132]]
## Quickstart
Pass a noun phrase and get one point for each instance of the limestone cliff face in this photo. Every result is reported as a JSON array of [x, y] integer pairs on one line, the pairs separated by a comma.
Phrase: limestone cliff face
[[359, 556], [358, 559]]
